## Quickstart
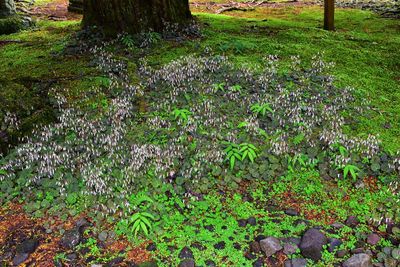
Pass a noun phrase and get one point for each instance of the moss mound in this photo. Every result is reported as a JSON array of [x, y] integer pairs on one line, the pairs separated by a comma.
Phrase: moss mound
[[14, 24]]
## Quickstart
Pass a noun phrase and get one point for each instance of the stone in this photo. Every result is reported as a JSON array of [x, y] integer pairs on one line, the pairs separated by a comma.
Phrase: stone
[[103, 236], [71, 239], [115, 262], [27, 246], [255, 247], [334, 243], [352, 221], [291, 212], [373, 239], [381, 256], [252, 221], [387, 250], [312, 244], [293, 240], [390, 262], [358, 260], [242, 222], [270, 246], [72, 256], [82, 222], [152, 247], [259, 238], [289, 248], [396, 253], [299, 262], [210, 263], [342, 253], [186, 253], [220, 245], [258, 263], [7, 8], [357, 250], [20, 258], [337, 225], [187, 263]]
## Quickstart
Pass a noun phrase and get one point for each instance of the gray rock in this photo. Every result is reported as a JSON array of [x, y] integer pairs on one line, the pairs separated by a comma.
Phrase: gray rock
[[291, 212], [312, 244], [373, 239], [71, 239], [337, 225], [28, 246], [352, 221], [357, 250], [20, 258], [210, 263], [7, 8], [186, 253], [296, 263], [396, 253], [289, 248], [334, 243], [358, 260], [255, 247], [82, 222], [390, 262], [381, 256], [270, 246], [387, 250], [187, 263], [103, 236], [341, 253]]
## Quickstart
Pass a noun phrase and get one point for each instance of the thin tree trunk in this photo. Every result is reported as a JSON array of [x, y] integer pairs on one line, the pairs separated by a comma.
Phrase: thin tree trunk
[[329, 15], [134, 16]]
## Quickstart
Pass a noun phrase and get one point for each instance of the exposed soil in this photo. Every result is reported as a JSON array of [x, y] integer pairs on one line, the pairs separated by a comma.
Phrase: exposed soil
[[56, 10]]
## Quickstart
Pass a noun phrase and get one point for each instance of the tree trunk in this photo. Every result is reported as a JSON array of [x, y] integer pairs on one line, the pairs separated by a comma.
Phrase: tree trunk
[[75, 6], [329, 15], [7, 8], [134, 16]]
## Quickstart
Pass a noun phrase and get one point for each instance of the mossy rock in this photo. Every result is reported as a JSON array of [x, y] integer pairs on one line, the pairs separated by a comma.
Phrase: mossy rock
[[14, 24]]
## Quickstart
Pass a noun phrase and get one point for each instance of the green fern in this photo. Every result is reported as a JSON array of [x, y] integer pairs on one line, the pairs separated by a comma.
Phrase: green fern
[[261, 109]]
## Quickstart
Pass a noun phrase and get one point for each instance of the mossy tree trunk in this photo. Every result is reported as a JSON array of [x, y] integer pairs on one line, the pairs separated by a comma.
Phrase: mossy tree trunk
[[134, 16], [7, 8]]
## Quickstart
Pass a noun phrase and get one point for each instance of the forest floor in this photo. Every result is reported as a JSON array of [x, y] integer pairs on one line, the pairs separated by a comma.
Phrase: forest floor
[[250, 214]]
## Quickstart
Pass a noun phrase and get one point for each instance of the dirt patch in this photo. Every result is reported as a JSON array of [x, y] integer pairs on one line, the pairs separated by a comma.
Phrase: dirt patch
[[219, 8], [56, 10]]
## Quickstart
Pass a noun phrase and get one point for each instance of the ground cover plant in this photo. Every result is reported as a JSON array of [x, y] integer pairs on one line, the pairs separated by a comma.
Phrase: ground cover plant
[[203, 146]]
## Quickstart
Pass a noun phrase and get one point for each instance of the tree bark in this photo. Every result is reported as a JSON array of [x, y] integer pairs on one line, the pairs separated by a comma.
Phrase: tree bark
[[7, 8], [329, 15], [134, 16]]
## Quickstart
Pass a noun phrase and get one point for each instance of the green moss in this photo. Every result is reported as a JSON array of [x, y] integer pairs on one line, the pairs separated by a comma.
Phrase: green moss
[[12, 24]]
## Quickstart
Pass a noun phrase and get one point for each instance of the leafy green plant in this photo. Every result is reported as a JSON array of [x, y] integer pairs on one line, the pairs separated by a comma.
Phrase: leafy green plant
[[240, 152], [219, 87], [128, 41], [301, 160], [181, 114], [350, 169], [236, 88], [298, 139], [139, 222], [261, 109]]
